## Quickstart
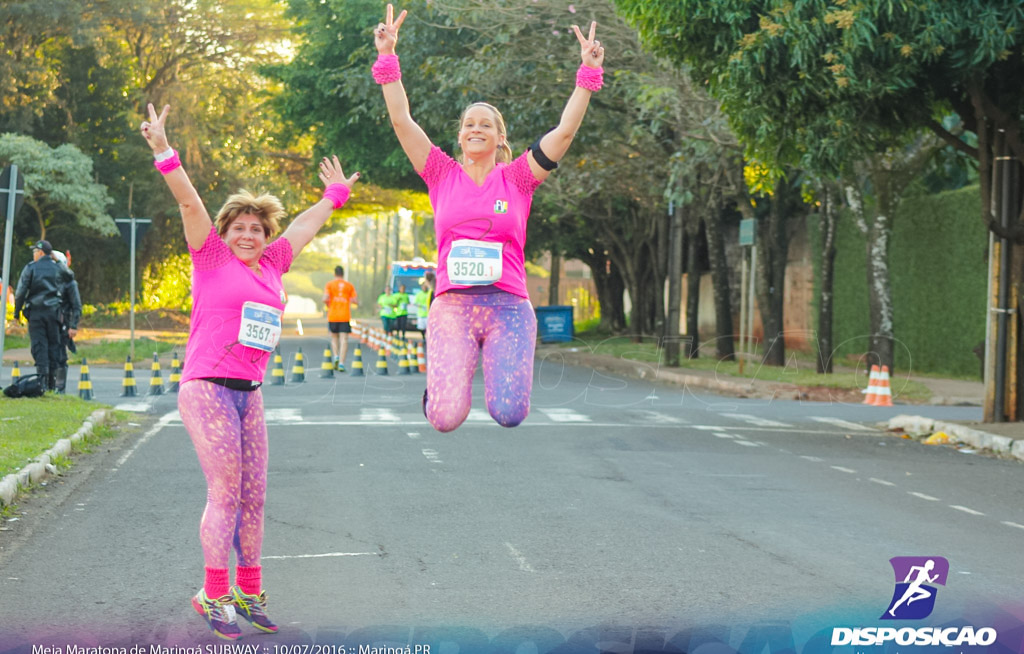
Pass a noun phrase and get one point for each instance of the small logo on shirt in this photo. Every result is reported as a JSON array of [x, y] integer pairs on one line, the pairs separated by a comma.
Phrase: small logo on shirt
[[500, 206], [284, 297]]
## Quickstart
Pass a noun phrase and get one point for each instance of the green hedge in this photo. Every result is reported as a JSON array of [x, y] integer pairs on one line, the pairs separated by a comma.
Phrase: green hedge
[[938, 263]]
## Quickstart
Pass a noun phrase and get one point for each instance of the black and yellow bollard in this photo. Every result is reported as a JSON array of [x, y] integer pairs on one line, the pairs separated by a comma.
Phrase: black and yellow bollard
[[156, 380], [382, 361], [128, 383], [277, 373], [15, 373], [327, 367], [84, 384], [174, 380], [299, 368], [411, 353], [403, 360]]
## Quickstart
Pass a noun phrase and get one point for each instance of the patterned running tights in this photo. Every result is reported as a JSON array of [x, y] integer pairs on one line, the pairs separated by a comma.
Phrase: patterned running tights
[[230, 436], [459, 327]]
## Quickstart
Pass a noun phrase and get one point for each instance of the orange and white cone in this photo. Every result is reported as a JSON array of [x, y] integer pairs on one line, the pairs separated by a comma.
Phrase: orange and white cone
[[871, 392], [883, 393]]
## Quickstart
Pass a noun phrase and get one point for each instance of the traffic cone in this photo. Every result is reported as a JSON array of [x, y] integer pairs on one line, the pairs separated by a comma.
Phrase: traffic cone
[[298, 368], [327, 367], [421, 358], [403, 361], [410, 352], [357, 362], [871, 392], [15, 373], [277, 373], [128, 383], [883, 394], [156, 381], [382, 361], [174, 380], [84, 384]]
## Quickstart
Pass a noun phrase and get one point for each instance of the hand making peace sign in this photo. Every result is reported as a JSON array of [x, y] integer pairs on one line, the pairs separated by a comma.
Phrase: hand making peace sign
[[386, 35], [591, 49], [153, 129]]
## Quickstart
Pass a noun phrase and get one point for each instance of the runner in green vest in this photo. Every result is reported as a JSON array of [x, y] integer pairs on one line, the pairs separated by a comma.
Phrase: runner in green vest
[[386, 304]]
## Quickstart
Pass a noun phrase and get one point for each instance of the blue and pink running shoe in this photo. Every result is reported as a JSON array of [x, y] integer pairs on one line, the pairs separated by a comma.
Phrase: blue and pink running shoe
[[254, 609], [219, 614]]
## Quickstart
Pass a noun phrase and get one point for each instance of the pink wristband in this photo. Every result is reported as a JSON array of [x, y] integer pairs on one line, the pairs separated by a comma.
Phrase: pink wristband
[[169, 164], [386, 69], [590, 78], [337, 193]]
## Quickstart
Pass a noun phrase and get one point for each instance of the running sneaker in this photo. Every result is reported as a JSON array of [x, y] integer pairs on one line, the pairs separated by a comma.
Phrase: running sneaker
[[254, 609], [341, 367], [219, 614]]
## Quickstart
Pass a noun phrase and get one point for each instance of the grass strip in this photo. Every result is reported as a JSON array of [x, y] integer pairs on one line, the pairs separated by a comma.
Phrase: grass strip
[[30, 426]]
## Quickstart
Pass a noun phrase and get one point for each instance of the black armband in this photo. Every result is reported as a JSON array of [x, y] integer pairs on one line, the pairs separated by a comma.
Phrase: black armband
[[542, 159]]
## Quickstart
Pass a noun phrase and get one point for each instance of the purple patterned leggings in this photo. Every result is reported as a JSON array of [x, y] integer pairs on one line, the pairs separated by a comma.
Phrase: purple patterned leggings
[[459, 326], [230, 437]]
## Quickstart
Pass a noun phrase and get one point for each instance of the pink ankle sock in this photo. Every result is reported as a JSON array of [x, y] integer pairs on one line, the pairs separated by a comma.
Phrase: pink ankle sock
[[216, 585], [249, 579]]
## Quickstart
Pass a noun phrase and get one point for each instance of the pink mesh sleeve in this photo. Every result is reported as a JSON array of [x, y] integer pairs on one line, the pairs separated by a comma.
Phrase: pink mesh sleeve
[[438, 166], [278, 255], [213, 254], [521, 176]]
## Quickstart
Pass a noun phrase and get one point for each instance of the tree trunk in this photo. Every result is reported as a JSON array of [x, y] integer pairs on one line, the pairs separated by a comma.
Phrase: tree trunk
[[724, 341], [693, 273], [826, 292], [556, 274], [675, 287], [772, 253]]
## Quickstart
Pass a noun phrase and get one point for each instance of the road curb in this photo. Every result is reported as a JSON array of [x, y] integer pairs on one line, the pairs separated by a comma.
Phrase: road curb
[[920, 426], [42, 467]]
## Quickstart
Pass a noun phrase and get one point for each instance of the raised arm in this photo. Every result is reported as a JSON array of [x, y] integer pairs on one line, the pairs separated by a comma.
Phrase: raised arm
[[386, 72], [556, 143], [336, 191], [194, 216]]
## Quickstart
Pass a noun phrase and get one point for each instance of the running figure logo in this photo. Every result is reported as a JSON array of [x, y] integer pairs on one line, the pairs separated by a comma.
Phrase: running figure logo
[[914, 597]]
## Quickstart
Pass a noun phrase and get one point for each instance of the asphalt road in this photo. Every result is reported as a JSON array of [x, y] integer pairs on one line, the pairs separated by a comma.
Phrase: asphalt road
[[620, 512]]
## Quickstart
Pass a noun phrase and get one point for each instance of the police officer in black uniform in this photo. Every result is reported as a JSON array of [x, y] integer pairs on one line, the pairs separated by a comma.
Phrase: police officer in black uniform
[[39, 297], [70, 313]]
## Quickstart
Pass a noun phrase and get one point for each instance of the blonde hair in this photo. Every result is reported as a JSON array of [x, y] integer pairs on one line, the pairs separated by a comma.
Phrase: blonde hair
[[267, 208], [504, 153]]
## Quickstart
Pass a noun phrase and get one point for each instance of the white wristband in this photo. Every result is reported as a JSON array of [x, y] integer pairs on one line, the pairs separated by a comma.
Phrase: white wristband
[[166, 154]]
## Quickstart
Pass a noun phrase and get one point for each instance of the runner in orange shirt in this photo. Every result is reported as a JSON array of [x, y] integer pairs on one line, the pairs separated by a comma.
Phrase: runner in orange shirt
[[339, 298]]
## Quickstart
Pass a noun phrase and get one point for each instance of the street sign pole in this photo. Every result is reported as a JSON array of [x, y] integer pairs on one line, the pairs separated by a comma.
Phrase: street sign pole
[[15, 188], [133, 231]]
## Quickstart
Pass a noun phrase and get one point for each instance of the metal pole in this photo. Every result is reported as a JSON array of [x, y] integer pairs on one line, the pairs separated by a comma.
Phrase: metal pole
[[750, 298], [8, 238], [743, 305], [132, 313]]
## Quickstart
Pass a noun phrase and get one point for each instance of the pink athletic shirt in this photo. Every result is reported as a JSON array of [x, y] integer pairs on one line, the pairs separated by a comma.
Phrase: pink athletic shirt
[[495, 212], [221, 284]]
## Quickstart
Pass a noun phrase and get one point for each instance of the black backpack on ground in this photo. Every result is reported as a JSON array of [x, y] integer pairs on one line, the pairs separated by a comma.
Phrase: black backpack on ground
[[26, 386]]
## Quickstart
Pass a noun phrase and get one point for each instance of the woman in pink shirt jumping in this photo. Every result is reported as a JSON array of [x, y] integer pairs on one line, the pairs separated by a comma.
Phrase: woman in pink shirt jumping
[[238, 300], [481, 204]]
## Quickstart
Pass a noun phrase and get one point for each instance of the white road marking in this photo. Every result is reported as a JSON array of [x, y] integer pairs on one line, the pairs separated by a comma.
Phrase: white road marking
[[319, 556], [164, 420], [1013, 524], [368, 414], [965, 509], [478, 415], [134, 407], [740, 441], [923, 496], [524, 565], [845, 424], [723, 435], [881, 481], [755, 420], [842, 469], [431, 456], [564, 415], [282, 415], [413, 435], [811, 458]]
